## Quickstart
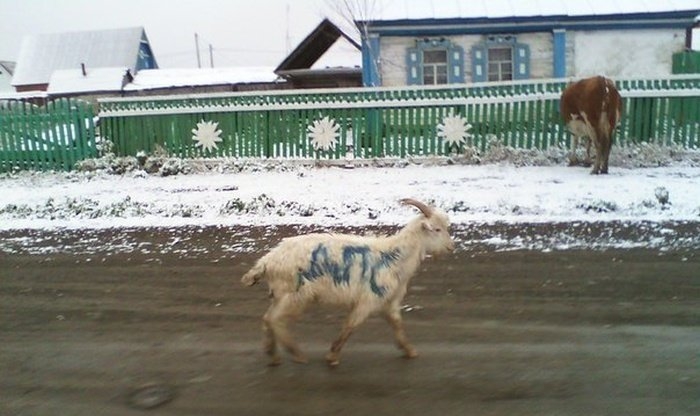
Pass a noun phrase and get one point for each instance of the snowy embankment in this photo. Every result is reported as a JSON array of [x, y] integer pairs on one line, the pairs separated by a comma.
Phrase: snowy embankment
[[336, 196], [492, 204]]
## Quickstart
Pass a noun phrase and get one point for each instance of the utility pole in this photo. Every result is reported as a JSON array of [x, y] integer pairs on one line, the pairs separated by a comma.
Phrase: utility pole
[[196, 44], [211, 55]]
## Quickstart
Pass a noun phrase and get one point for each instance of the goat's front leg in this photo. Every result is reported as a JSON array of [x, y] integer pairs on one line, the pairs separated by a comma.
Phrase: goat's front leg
[[393, 315], [356, 317]]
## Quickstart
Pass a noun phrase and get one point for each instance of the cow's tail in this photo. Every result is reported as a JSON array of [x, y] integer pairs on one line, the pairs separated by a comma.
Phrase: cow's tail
[[605, 94]]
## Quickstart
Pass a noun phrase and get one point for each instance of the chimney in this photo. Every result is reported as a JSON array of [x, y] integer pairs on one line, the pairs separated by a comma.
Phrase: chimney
[[82, 66]]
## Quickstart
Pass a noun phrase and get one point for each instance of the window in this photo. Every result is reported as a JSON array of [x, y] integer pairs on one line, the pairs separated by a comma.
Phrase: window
[[500, 64], [435, 62], [434, 67], [500, 58], [145, 57]]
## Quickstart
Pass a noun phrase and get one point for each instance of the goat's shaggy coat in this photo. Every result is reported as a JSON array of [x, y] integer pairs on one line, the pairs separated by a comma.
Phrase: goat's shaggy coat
[[366, 274]]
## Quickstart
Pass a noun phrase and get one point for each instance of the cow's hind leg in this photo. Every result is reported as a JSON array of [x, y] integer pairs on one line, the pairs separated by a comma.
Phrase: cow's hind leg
[[573, 158], [587, 161], [599, 152], [606, 155]]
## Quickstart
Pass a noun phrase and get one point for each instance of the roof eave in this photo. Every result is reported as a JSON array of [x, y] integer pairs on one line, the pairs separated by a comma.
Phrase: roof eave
[[673, 19]]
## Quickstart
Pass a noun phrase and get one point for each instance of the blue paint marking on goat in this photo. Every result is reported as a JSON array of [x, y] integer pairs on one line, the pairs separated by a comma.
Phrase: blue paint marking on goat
[[321, 264]]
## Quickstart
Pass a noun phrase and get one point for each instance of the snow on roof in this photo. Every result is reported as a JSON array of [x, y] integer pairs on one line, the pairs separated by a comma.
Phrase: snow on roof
[[41, 55], [341, 54], [11, 95], [449, 9], [185, 77], [328, 44], [67, 81]]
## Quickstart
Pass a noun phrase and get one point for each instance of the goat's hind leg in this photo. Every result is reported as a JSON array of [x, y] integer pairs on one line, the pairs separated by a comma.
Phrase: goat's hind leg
[[275, 327]]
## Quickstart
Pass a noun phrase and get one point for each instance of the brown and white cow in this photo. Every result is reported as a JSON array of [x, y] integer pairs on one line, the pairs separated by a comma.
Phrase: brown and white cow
[[591, 108]]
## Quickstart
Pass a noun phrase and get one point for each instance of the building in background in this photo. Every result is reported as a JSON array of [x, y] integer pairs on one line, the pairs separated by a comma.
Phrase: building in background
[[82, 54], [424, 43], [327, 58], [6, 70]]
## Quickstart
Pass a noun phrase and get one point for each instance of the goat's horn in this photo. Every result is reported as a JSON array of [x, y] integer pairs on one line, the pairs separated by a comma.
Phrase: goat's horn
[[425, 209]]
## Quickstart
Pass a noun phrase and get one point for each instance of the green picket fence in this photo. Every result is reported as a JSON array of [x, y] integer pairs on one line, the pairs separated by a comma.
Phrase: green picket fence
[[389, 122], [49, 137], [337, 123]]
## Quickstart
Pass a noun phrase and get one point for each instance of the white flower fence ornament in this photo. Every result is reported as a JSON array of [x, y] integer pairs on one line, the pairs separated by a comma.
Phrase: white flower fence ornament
[[324, 133], [207, 135], [454, 130]]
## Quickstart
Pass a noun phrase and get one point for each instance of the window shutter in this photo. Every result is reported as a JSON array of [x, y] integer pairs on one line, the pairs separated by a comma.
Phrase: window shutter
[[479, 70], [414, 74], [521, 60], [456, 62]]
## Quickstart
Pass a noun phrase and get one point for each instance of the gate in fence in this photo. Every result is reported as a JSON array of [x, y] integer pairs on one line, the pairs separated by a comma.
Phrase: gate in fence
[[49, 137]]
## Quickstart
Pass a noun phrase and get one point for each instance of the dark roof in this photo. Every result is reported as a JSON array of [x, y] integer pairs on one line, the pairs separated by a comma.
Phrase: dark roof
[[314, 46], [528, 23], [8, 66], [411, 10]]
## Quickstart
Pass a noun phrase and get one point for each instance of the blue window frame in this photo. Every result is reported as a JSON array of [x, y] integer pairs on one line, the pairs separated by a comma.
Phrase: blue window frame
[[145, 58], [500, 58], [433, 62]]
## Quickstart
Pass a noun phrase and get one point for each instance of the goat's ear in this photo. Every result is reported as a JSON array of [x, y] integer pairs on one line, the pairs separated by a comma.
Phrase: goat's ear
[[427, 226]]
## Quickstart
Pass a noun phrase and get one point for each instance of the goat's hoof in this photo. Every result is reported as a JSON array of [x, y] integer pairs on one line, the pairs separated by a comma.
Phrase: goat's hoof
[[332, 360], [300, 359], [274, 362], [410, 354]]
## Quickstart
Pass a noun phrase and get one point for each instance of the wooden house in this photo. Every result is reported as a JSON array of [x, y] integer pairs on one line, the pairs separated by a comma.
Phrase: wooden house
[[327, 58], [6, 70], [464, 41], [82, 53]]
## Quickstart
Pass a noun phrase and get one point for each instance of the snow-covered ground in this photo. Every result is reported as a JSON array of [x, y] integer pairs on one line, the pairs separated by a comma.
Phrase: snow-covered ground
[[336, 196], [504, 199]]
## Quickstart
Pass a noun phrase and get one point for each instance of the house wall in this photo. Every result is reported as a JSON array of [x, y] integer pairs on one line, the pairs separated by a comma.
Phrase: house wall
[[31, 87], [627, 53], [5, 80], [393, 55]]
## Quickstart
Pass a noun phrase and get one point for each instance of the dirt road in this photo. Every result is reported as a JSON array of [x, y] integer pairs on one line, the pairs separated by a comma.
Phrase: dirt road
[[608, 332]]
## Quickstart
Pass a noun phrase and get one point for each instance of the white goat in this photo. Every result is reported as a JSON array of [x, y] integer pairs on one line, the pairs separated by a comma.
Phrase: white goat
[[367, 274]]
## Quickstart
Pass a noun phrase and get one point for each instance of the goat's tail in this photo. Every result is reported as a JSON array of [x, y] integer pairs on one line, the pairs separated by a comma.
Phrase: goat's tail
[[255, 274]]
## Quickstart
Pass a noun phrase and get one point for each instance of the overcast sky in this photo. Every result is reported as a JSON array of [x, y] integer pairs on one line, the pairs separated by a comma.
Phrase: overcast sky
[[241, 32], [257, 32]]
